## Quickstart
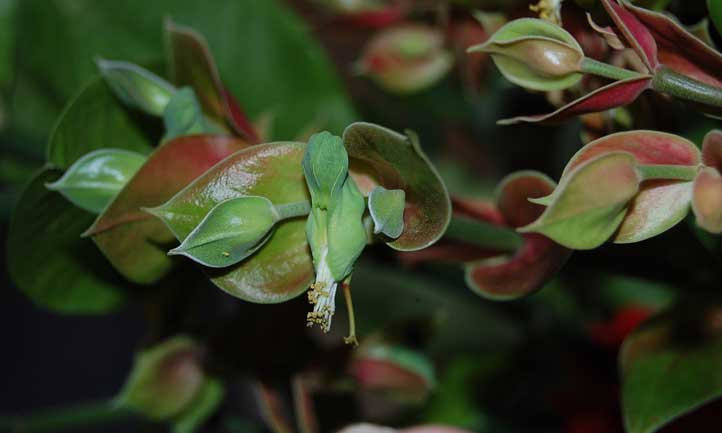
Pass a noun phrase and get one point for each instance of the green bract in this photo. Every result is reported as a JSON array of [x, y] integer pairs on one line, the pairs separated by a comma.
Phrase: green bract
[[183, 116], [168, 383], [387, 211], [232, 230], [590, 203], [137, 87], [325, 166], [93, 180], [535, 54]]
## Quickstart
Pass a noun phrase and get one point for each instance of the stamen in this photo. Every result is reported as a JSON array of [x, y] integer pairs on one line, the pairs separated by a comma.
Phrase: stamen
[[322, 296]]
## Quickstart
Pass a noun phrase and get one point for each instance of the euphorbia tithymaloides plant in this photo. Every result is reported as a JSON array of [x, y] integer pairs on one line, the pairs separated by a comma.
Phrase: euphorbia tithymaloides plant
[[539, 55]]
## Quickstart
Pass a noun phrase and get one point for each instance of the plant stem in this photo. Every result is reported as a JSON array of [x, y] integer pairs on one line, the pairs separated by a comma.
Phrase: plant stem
[[594, 67], [681, 86], [484, 234], [670, 172], [67, 418], [293, 210]]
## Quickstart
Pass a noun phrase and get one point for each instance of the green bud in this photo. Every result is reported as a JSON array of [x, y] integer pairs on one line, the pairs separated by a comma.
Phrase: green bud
[[164, 380], [233, 230], [535, 54], [387, 211], [325, 166], [96, 178], [137, 87], [183, 116]]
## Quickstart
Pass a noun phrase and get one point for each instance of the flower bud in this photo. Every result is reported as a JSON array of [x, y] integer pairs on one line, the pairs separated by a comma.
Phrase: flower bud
[[406, 59], [168, 383], [137, 87], [233, 230], [535, 54]]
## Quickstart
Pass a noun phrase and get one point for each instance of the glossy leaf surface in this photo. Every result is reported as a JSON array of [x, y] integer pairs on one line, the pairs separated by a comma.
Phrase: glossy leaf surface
[[133, 240], [380, 156], [94, 180], [282, 269]]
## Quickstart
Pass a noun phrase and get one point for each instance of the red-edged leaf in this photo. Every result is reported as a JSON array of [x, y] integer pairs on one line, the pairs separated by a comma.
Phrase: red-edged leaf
[[134, 241], [512, 276], [612, 95], [192, 64], [680, 50], [454, 251], [660, 204], [282, 269], [636, 34], [395, 161], [272, 409], [712, 149], [306, 419], [707, 200]]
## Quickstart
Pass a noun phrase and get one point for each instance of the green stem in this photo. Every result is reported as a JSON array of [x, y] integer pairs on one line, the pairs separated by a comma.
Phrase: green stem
[[293, 210], [62, 419], [681, 86], [594, 67], [484, 234], [670, 172]]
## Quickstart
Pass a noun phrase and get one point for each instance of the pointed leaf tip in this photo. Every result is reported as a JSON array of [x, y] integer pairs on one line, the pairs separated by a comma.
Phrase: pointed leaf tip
[[387, 211], [590, 203]]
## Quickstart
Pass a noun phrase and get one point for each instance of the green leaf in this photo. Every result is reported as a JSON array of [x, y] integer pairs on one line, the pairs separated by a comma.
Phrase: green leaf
[[590, 203], [380, 156], [269, 170], [137, 87], [387, 210], [165, 379], [7, 38], [183, 116], [93, 180], [133, 240], [93, 120], [271, 61], [535, 54], [48, 260], [325, 167], [233, 230], [669, 367], [346, 231]]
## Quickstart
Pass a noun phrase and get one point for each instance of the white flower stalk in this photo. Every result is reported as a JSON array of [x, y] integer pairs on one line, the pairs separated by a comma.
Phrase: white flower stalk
[[322, 296]]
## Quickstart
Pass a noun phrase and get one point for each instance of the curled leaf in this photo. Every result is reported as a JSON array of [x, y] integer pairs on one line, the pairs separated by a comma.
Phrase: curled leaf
[[660, 204], [387, 211], [516, 274], [590, 203], [612, 95], [707, 200], [93, 180], [269, 170], [380, 156], [137, 87], [233, 230], [635, 32], [535, 54], [192, 64], [133, 240]]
